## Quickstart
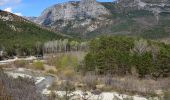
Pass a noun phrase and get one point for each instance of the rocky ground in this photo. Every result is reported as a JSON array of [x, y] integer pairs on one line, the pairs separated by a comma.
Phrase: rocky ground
[[44, 81]]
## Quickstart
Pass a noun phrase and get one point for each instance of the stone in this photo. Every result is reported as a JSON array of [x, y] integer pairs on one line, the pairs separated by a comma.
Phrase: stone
[[101, 86], [159, 92]]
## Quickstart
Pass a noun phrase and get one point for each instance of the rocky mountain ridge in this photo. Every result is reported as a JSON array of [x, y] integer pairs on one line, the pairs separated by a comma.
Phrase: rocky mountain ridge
[[156, 6], [75, 15], [71, 10], [7, 16], [81, 18]]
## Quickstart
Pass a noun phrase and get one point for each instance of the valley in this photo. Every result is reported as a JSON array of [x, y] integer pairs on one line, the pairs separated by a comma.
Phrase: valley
[[87, 50], [47, 79]]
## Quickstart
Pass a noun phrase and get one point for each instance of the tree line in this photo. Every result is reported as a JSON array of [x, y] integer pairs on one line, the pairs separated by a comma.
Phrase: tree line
[[119, 55], [41, 48], [65, 45]]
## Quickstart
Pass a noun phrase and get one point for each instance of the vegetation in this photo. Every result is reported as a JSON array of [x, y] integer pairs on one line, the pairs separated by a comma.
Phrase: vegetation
[[166, 95], [21, 64], [119, 55], [38, 65], [51, 71], [60, 46], [21, 38], [17, 89], [134, 22], [64, 61]]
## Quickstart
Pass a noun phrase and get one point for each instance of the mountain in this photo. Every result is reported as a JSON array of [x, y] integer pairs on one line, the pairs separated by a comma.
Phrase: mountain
[[19, 34], [89, 18], [74, 17]]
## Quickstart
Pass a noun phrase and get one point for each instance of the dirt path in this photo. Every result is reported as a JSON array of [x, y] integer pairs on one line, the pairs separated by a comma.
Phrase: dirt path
[[17, 59]]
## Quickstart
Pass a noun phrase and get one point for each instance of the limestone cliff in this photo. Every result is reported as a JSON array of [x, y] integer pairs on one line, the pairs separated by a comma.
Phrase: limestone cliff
[[88, 17], [85, 15]]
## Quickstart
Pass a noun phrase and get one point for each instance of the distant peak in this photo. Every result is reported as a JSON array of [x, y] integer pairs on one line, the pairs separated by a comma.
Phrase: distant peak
[[88, 1]]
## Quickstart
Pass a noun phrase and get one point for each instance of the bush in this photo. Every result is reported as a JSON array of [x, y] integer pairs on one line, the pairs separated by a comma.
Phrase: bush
[[17, 89], [167, 96], [51, 71], [90, 80], [21, 63], [38, 65], [64, 60]]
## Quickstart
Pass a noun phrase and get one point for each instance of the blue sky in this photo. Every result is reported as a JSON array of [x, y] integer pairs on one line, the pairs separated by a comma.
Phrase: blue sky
[[30, 7]]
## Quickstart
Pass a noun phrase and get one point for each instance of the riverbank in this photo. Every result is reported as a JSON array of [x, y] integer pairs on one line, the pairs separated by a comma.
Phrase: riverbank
[[3, 62]]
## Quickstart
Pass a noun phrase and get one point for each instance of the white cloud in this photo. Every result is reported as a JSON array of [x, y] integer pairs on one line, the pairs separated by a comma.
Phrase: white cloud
[[9, 9], [19, 14], [4, 2]]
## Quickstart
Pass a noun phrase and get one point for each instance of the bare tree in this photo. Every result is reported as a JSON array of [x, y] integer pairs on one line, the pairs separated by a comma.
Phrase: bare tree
[[140, 47], [17, 89]]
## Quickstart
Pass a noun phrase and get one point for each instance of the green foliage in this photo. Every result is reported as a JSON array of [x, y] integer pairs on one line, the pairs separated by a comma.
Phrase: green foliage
[[116, 55], [108, 54], [65, 61], [155, 33], [133, 22], [139, 13], [38, 65], [22, 39]]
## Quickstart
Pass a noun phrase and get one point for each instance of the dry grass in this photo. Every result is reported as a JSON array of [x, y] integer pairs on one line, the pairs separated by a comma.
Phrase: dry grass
[[128, 84], [51, 71], [17, 89], [135, 85], [21, 64], [16, 64], [38, 65], [166, 95]]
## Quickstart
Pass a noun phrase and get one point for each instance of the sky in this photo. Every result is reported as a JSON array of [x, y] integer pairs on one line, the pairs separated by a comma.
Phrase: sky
[[30, 7]]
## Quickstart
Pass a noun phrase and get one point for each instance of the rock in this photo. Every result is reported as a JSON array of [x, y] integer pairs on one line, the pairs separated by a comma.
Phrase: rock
[[101, 86], [96, 92], [159, 92], [79, 85], [72, 10], [154, 98], [150, 5]]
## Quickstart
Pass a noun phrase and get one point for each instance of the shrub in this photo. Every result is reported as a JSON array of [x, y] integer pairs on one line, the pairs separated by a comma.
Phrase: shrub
[[67, 87], [90, 80], [167, 96], [64, 60], [17, 89], [51, 71], [21, 63], [38, 65]]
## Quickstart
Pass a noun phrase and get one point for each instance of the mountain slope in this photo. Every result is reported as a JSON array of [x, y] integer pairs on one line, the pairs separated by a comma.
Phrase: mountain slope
[[89, 18], [20, 35], [75, 17]]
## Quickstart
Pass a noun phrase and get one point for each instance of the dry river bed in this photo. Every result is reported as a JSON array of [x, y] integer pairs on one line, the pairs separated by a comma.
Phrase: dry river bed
[[43, 81]]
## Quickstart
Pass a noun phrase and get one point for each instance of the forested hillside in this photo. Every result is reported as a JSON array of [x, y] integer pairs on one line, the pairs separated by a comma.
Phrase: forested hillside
[[20, 37], [141, 23]]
